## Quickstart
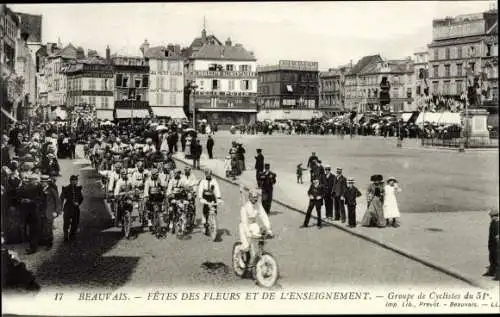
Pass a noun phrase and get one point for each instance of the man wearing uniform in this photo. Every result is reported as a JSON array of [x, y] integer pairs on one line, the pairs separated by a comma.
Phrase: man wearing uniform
[[267, 181], [71, 198], [316, 192], [259, 166]]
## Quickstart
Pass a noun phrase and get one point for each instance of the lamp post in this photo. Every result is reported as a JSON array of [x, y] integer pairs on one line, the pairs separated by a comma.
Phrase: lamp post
[[192, 90]]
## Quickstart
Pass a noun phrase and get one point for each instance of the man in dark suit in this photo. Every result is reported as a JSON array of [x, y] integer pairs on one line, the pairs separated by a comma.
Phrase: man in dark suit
[[339, 187], [259, 166], [316, 194], [328, 183], [210, 147], [31, 199], [311, 163], [71, 198], [493, 245], [267, 181]]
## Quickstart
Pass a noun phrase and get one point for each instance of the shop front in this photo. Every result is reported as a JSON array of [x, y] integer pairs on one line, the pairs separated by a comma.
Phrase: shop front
[[225, 118]]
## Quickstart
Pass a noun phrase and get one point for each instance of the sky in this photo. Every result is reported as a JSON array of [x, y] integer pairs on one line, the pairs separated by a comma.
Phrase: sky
[[331, 33]]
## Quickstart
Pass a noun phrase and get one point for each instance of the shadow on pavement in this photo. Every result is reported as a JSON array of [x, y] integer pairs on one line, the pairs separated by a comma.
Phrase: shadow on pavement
[[82, 262]]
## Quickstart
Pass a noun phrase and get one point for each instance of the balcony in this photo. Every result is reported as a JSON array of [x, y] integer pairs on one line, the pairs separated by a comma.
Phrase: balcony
[[222, 74], [135, 104]]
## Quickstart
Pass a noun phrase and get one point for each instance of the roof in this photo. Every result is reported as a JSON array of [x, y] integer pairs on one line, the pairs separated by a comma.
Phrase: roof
[[32, 25], [198, 42], [395, 66], [364, 62], [158, 52], [69, 52], [223, 52]]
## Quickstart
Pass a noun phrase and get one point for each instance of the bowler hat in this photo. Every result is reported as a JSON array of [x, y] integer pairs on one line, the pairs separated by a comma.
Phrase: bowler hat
[[392, 178], [493, 213], [376, 178], [350, 180], [73, 177], [267, 165]]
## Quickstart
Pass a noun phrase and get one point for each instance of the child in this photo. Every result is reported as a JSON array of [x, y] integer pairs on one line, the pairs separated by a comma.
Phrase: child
[[350, 195], [300, 169], [227, 166]]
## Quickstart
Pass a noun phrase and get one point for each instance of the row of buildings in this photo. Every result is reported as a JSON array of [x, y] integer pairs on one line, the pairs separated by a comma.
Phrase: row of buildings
[[221, 81]]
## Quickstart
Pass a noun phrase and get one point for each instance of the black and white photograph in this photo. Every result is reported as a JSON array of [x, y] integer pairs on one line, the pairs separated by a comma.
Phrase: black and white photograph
[[302, 157]]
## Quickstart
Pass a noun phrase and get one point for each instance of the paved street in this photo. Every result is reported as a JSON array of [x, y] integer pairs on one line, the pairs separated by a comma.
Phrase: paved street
[[307, 257]]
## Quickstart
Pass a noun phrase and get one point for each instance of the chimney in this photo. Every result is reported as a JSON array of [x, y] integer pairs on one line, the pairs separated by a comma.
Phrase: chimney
[[108, 53], [177, 49], [204, 36], [144, 47], [80, 53], [228, 42]]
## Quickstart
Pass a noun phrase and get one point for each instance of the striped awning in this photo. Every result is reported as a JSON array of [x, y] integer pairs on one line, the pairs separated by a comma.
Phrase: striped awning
[[131, 113], [105, 114]]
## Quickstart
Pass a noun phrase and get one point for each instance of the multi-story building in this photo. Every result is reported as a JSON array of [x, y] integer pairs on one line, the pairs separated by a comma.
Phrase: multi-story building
[[166, 77], [225, 77], [464, 47], [331, 90], [131, 88], [90, 83], [54, 78], [25, 68], [289, 91], [362, 86]]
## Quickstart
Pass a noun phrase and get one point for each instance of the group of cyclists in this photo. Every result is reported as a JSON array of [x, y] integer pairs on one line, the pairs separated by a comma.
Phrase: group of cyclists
[[133, 171]]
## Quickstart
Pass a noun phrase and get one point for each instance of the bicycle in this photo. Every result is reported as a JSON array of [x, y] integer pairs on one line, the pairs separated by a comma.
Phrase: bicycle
[[212, 224], [180, 222], [265, 271], [131, 211]]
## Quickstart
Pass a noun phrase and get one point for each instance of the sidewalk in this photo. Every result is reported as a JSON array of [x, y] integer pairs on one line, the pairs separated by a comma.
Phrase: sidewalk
[[454, 243]]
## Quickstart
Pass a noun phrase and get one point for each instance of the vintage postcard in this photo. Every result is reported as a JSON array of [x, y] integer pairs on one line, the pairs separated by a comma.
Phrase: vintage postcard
[[249, 158]]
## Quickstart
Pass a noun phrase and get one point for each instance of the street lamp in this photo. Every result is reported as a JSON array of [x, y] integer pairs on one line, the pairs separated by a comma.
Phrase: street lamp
[[192, 91]]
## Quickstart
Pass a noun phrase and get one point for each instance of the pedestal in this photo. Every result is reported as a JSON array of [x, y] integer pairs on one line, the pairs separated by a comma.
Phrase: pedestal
[[476, 125]]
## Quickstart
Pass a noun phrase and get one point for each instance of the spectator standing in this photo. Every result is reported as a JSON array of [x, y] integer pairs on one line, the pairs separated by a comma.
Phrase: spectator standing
[[493, 246], [51, 210], [267, 181], [391, 210], [328, 183], [316, 194], [310, 164], [196, 153], [351, 194], [31, 200], [259, 166], [339, 187], [210, 147], [71, 197]]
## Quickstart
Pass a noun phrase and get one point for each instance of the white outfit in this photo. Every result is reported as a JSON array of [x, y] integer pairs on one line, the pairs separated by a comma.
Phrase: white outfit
[[204, 185], [391, 209], [251, 214], [190, 182]]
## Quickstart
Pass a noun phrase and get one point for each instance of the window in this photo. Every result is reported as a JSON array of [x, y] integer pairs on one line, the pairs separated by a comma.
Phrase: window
[[201, 84], [145, 81], [215, 84], [447, 53], [119, 80], [472, 66], [446, 87], [231, 85], [436, 53], [459, 86], [173, 83], [159, 65], [161, 99], [138, 97], [161, 84], [246, 84], [92, 100], [244, 68], [435, 71], [158, 99], [230, 67], [418, 92], [105, 82], [435, 86], [459, 69], [125, 81], [459, 52], [488, 49], [104, 102], [173, 99], [213, 67], [447, 70], [137, 83]]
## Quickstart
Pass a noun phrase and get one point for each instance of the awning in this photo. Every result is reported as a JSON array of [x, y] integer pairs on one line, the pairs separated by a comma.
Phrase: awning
[[439, 117], [129, 113], [105, 115], [172, 112], [226, 110], [406, 116], [288, 115], [8, 115]]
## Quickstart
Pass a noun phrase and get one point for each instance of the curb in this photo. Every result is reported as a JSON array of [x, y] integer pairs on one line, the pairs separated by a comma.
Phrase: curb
[[427, 262]]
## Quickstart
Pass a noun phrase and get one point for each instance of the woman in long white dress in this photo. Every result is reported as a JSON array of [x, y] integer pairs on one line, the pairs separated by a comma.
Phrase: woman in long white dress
[[391, 210]]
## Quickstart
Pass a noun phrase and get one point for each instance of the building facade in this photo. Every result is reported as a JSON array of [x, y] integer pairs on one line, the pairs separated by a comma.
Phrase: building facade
[[464, 47], [166, 77], [221, 82], [90, 83], [289, 91], [363, 84], [131, 87], [331, 90]]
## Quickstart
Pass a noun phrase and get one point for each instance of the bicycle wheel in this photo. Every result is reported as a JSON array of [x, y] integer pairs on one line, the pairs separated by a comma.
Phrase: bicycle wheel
[[266, 270], [212, 226], [126, 224], [180, 226], [239, 265]]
